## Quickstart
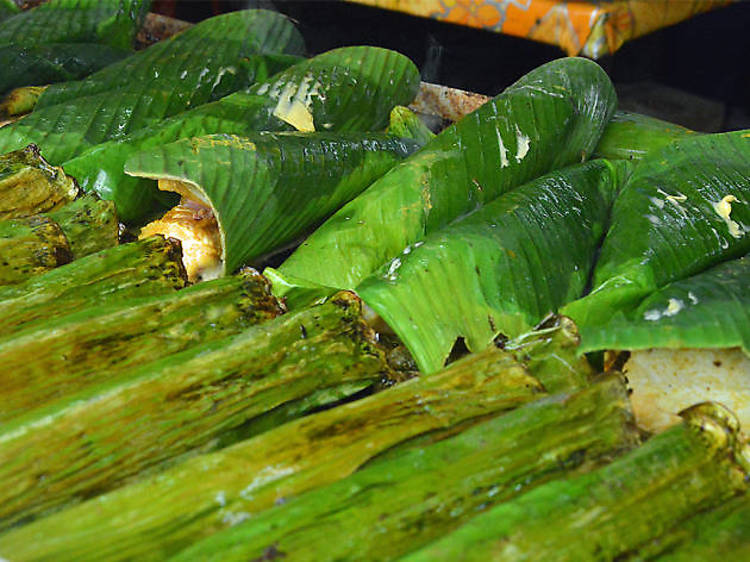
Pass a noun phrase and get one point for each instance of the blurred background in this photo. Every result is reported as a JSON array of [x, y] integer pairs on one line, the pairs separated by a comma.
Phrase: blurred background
[[694, 73]]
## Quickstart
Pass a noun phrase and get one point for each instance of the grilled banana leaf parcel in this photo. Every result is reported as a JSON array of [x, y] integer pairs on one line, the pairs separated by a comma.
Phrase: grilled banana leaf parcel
[[29, 185], [53, 358], [186, 403], [262, 191], [394, 507], [149, 267], [500, 270], [608, 513], [347, 89], [551, 117], [161, 515], [216, 57], [30, 246], [112, 22], [684, 209]]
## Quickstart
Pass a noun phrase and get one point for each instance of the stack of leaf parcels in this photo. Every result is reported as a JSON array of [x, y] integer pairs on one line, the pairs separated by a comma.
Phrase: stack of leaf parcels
[[160, 399]]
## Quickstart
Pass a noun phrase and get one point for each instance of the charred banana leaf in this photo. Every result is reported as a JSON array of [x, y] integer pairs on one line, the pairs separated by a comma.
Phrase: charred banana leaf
[[614, 510], [348, 89], [722, 533], [631, 136], [29, 185], [185, 403], [264, 190], [89, 224], [162, 515], [31, 246], [37, 65], [55, 358], [18, 102], [148, 267], [216, 57], [392, 508], [112, 22], [550, 118], [684, 209], [501, 269]]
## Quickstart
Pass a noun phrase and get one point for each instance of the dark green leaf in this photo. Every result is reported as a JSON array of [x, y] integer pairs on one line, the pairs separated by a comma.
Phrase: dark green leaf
[[499, 270], [550, 118], [268, 189]]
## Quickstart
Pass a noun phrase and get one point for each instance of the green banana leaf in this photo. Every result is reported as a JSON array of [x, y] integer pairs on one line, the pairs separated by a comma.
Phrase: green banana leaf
[[630, 136], [708, 310], [267, 189], [406, 124], [500, 270], [8, 8], [112, 22], [44, 64], [684, 209], [347, 89], [210, 60], [200, 64], [549, 118]]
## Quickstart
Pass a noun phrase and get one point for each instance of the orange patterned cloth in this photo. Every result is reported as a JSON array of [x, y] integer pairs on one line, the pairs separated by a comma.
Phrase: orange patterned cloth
[[590, 28]]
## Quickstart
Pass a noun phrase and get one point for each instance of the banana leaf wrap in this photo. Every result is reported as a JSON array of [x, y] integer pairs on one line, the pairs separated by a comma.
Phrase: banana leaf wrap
[[216, 57], [184, 404], [613, 510], [149, 267], [722, 533], [499, 270], [549, 118], [268, 189], [30, 246], [707, 310], [684, 209], [29, 185], [51, 359], [8, 8], [163, 514], [44, 64], [630, 136], [111, 22], [389, 509], [18, 102], [89, 223], [347, 89], [406, 124]]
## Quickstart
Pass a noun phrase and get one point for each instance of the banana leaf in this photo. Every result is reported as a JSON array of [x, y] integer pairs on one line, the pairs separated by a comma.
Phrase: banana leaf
[[44, 64], [89, 224], [151, 266], [29, 185], [549, 118], [606, 514], [208, 61], [406, 124], [630, 136], [18, 102], [347, 89], [684, 209], [8, 8], [387, 510], [186, 403], [722, 533], [500, 270], [30, 246], [267, 189], [708, 310], [56, 357], [161, 515], [111, 22]]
